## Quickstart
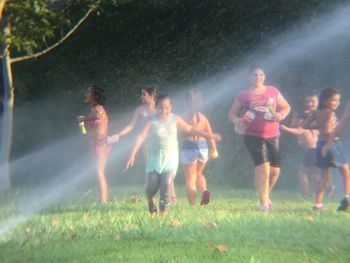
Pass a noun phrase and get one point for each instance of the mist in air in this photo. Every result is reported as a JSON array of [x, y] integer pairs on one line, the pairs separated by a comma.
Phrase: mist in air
[[313, 57]]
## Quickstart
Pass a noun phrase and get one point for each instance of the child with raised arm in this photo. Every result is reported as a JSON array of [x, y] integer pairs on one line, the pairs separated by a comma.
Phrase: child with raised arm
[[97, 124], [325, 121], [162, 152], [309, 174], [194, 151]]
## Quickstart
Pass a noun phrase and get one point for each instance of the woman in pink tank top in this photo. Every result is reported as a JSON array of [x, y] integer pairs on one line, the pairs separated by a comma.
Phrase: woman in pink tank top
[[256, 113]]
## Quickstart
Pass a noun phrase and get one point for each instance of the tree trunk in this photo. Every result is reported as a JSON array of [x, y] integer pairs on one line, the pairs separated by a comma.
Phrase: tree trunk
[[7, 119]]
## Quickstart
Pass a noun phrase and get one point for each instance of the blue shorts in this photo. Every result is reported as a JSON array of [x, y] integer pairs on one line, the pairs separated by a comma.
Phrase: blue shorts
[[334, 158], [192, 151], [309, 158]]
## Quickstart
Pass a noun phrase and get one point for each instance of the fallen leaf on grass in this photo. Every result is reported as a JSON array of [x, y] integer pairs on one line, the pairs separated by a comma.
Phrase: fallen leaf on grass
[[175, 223], [210, 225], [309, 218], [55, 222], [222, 248]]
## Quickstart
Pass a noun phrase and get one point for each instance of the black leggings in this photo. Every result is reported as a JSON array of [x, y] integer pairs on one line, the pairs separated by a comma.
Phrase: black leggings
[[263, 150], [161, 182]]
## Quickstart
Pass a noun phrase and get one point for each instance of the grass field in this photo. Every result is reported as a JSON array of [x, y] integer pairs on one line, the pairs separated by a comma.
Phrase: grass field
[[229, 229]]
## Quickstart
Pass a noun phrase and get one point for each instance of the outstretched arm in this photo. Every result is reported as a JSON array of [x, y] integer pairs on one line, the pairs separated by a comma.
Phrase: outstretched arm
[[139, 141], [195, 131], [115, 137], [294, 131]]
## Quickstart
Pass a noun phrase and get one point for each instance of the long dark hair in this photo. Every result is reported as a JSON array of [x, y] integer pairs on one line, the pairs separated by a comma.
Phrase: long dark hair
[[152, 91], [325, 95], [98, 95]]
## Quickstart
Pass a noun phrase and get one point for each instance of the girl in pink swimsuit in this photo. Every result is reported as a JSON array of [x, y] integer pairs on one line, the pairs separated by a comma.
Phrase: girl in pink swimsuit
[[97, 124]]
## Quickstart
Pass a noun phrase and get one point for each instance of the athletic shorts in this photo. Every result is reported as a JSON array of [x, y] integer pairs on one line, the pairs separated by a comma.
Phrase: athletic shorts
[[309, 158], [192, 151], [335, 157], [263, 150]]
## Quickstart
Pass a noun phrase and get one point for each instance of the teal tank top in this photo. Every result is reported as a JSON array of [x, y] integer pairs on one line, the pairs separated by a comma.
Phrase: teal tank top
[[162, 146]]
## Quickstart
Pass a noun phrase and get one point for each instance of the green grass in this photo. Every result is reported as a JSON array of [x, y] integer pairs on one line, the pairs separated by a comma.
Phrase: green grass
[[85, 231]]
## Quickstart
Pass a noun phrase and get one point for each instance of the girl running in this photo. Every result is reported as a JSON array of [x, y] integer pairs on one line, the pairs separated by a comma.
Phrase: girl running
[[141, 115], [309, 174], [194, 151], [162, 152], [97, 124], [263, 108], [324, 120], [344, 120]]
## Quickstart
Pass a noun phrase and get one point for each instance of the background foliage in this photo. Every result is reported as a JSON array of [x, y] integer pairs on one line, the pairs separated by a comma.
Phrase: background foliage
[[172, 44]]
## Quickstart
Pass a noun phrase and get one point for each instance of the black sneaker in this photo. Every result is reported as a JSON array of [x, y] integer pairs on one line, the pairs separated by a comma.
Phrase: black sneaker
[[344, 204]]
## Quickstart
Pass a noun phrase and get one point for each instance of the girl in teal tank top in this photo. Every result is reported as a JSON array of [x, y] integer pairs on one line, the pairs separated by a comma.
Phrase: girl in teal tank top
[[162, 148], [162, 152]]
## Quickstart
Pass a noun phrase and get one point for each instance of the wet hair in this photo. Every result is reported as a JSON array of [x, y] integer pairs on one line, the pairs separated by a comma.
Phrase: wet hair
[[98, 94], [151, 90], [325, 95], [162, 97]]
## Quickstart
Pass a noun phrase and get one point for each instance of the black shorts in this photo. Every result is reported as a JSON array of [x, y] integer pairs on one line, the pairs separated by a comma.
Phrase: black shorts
[[263, 150], [309, 158]]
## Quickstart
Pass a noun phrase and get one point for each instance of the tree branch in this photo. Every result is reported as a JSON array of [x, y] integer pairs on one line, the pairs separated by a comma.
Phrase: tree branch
[[2, 6], [36, 55]]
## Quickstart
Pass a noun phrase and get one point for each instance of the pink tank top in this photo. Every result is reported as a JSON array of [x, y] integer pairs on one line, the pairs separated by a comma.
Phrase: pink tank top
[[261, 126]]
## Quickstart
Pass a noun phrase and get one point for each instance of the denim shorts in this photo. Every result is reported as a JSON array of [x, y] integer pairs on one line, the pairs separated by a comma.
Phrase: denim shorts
[[192, 151], [334, 158]]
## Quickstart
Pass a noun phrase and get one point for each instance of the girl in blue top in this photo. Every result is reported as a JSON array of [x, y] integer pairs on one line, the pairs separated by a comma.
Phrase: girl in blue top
[[162, 152]]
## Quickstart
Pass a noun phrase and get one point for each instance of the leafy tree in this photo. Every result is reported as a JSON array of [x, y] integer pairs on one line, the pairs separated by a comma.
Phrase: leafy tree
[[30, 29]]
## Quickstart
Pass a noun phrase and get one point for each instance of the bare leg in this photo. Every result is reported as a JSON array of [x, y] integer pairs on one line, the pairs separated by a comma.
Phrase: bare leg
[[190, 171], [274, 175], [304, 181], [201, 181], [261, 177], [346, 178], [101, 165], [326, 174]]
